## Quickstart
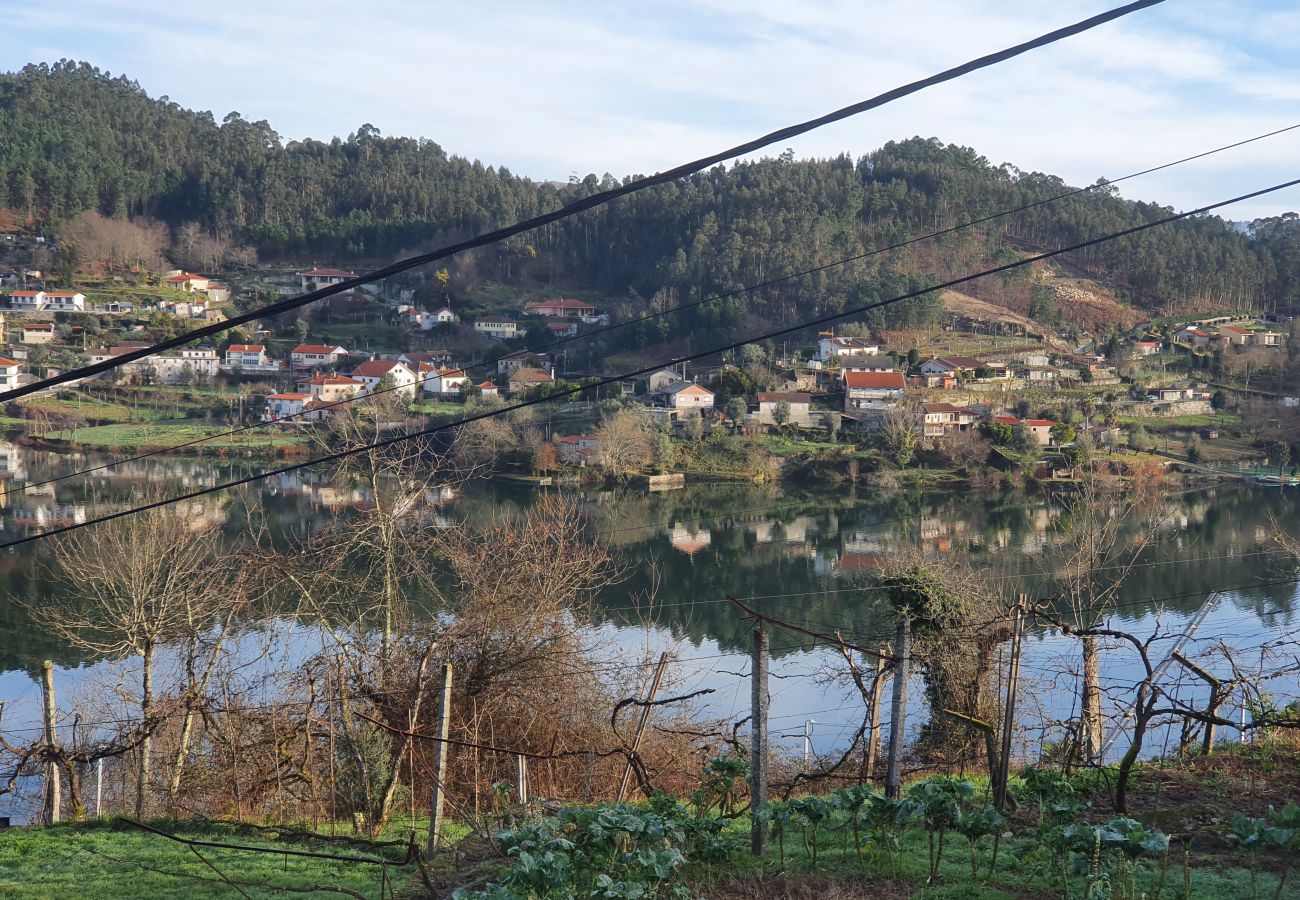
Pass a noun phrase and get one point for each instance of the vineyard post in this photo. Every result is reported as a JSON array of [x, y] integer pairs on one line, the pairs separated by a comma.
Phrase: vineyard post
[[1003, 775], [53, 781], [898, 710], [758, 742], [873, 739], [439, 792]]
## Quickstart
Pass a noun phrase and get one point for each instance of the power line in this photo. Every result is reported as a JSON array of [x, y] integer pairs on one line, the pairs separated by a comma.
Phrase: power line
[[590, 202], [834, 317], [595, 332]]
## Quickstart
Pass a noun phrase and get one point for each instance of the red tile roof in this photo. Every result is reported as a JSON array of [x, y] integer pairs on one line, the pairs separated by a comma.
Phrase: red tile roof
[[874, 380], [376, 368], [317, 349], [530, 376], [332, 379], [8, 362], [246, 348], [779, 397], [289, 397]]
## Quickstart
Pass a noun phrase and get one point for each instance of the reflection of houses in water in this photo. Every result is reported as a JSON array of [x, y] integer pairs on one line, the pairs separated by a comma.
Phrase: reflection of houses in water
[[796, 531], [11, 463], [48, 516], [688, 540], [937, 532]]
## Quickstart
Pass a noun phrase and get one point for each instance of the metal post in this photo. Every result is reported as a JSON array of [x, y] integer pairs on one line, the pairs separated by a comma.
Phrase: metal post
[[1009, 714], [521, 779], [439, 793], [758, 742], [898, 712], [626, 781]]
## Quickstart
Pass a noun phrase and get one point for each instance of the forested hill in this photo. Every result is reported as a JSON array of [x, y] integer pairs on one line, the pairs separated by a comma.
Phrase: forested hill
[[73, 139]]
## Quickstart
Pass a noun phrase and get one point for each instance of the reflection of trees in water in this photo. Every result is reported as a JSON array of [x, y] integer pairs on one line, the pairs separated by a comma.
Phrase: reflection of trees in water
[[745, 557]]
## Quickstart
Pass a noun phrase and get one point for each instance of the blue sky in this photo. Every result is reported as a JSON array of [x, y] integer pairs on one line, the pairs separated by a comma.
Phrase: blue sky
[[552, 88]]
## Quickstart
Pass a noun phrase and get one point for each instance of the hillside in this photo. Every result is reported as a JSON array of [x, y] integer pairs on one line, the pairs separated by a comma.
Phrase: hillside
[[77, 140]]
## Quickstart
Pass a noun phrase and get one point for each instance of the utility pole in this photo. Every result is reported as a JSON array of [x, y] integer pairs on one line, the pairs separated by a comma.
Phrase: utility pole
[[439, 794], [898, 712], [626, 781], [758, 742], [53, 781], [1009, 714]]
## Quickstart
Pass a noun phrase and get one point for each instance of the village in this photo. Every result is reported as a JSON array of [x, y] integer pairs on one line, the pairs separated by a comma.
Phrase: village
[[1028, 396]]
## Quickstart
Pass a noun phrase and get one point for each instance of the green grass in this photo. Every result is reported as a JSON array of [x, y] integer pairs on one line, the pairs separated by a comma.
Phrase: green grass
[[1020, 872], [142, 436], [111, 859], [97, 410], [1164, 423]]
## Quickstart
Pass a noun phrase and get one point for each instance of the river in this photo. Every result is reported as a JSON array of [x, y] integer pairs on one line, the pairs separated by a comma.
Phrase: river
[[799, 554]]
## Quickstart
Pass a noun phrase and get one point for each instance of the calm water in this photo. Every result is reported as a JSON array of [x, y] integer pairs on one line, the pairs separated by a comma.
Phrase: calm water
[[793, 553]]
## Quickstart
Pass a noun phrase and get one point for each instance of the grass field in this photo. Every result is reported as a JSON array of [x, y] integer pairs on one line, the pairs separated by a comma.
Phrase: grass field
[[146, 436], [112, 859]]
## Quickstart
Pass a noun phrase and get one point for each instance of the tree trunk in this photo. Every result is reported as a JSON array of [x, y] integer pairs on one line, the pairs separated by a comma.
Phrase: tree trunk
[[1141, 715], [197, 689], [146, 745], [1090, 720]]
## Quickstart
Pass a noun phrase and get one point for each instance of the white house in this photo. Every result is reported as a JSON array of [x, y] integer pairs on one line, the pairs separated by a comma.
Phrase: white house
[[444, 316], [9, 374], [829, 347], [498, 328], [331, 388], [951, 365], [27, 300], [314, 279], [523, 359], [64, 301], [688, 395], [373, 372], [872, 391], [576, 449], [251, 358], [280, 406], [799, 405], [661, 379], [187, 282], [442, 382], [562, 329], [316, 356]]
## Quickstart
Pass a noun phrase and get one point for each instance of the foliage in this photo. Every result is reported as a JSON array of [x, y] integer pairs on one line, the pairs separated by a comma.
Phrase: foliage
[[613, 850]]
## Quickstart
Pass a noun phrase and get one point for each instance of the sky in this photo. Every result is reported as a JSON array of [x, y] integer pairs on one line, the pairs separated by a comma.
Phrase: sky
[[552, 89]]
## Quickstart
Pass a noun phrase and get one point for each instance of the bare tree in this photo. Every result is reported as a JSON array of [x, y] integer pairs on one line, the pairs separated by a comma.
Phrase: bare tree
[[1104, 527], [623, 442], [137, 584]]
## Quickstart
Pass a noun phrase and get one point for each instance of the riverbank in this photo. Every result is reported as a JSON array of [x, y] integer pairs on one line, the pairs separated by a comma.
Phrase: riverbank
[[1180, 825]]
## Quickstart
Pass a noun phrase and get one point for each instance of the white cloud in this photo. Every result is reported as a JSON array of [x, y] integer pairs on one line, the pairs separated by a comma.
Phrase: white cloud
[[550, 88]]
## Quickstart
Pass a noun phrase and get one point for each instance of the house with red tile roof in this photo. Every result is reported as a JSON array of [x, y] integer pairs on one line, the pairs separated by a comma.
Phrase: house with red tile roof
[[559, 309], [316, 356], [872, 392], [372, 373]]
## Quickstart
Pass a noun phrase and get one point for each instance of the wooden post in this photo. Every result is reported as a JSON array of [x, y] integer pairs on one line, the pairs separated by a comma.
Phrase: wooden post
[[758, 742], [873, 739], [1216, 697], [1009, 714], [439, 793], [626, 781], [53, 780], [898, 710]]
